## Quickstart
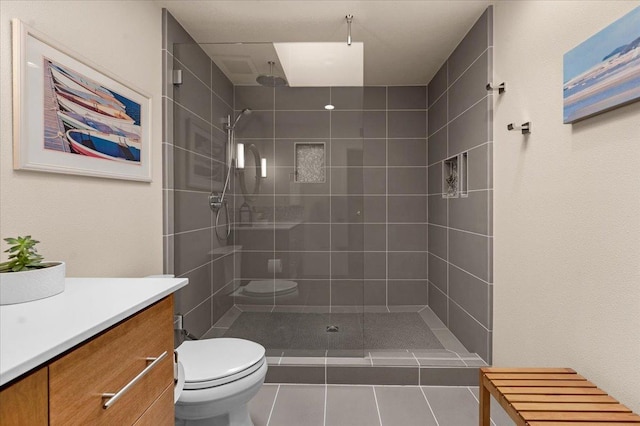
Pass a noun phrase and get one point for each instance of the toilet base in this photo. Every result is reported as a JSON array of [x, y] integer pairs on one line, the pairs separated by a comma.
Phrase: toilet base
[[225, 405], [238, 416]]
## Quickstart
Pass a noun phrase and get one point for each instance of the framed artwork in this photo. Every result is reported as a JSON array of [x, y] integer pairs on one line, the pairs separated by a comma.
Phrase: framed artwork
[[71, 117], [603, 72]]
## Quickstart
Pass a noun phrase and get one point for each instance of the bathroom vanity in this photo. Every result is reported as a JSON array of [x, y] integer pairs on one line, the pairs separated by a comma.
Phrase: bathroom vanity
[[101, 352]]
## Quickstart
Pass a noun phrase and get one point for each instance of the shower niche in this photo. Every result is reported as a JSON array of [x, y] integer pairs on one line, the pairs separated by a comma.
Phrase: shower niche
[[310, 162], [455, 176]]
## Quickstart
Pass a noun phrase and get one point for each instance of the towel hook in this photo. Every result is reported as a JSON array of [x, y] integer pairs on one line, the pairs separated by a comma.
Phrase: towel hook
[[524, 127], [501, 88]]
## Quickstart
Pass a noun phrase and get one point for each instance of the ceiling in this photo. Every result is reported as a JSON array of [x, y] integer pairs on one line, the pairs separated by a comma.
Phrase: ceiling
[[405, 42]]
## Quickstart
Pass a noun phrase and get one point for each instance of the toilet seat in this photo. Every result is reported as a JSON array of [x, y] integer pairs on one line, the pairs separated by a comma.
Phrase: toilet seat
[[215, 362]]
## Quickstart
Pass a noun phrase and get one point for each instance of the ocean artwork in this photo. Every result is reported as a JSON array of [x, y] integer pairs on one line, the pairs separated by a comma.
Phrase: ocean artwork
[[603, 72], [82, 117]]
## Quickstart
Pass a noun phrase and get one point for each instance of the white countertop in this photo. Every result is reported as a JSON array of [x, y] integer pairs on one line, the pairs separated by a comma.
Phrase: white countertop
[[33, 333]]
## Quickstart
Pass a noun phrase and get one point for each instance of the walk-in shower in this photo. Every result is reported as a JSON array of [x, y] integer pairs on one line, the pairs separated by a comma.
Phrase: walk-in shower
[[335, 251]]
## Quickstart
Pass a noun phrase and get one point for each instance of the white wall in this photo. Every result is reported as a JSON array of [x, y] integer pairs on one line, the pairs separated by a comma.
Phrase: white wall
[[100, 227], [567, 207]]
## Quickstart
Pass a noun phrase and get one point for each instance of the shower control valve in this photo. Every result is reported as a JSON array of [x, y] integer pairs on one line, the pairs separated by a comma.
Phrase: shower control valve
[[216, 201]]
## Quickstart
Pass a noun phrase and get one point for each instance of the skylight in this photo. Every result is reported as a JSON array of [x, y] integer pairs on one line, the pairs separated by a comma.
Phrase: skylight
[[322, 64]]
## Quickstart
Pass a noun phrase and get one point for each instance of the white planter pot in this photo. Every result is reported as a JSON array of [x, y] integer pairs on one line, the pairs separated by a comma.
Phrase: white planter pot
[[25, 286]]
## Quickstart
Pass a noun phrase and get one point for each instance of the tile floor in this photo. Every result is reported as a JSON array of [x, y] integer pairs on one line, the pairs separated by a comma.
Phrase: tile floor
[[357, 405]]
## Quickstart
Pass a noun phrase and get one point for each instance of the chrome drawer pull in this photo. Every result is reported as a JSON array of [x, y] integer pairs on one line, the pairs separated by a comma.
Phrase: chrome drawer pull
[[113, 397]]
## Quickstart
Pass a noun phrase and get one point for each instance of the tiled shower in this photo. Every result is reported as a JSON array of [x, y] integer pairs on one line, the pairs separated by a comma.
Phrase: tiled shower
[[378, 234], [375, 158]]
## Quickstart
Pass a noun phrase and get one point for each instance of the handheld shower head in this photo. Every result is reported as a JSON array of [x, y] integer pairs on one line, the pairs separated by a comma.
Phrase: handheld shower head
[[245, 111]]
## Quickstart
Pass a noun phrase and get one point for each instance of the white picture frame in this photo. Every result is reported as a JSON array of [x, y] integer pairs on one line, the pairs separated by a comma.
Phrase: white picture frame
[[72, 117]]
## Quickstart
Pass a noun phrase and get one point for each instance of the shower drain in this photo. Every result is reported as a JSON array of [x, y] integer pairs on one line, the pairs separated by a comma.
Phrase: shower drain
[[332, 329]]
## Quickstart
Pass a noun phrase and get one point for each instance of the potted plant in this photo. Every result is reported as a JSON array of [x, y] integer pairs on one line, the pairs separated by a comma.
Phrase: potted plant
[[25, 277]]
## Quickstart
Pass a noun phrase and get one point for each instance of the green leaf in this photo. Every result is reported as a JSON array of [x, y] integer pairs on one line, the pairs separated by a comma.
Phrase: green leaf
[[22, 255]]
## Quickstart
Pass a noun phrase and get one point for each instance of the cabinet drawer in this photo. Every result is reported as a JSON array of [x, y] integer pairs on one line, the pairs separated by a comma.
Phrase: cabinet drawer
[[161, 413], [108, 363]]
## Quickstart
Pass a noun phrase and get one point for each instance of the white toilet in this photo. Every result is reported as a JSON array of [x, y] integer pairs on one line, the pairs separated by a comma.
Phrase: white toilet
[[220, 377]]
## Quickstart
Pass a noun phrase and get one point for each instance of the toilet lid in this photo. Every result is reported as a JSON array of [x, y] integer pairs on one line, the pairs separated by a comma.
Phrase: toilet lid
[[269, 287], [214, 362]]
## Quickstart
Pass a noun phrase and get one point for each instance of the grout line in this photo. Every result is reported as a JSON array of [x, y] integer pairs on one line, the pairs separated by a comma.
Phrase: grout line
[[478, 401], [458, 229], [461, 74], [325, 367], [429, 405], [460, 358], [419, 369], [471, 316], [457, 267], [273, 232], [273, 405], [386, 199], [449, 121], [474, 147], [181, 148], [324, 419], [375, 397], [330, 215], [468, 68], [192, 112]]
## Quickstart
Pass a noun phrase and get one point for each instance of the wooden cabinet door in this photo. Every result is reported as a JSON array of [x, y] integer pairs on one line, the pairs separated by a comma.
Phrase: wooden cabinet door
[[107, 364], [26, 402], [161, 413]]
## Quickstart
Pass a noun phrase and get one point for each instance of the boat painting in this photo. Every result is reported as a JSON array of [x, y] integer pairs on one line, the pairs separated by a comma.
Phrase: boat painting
[[603, 72], [62, 82], [68, 105], [93, 87], [95, 106], [104, 145], [73, 117], [71, 120], [88, 118]]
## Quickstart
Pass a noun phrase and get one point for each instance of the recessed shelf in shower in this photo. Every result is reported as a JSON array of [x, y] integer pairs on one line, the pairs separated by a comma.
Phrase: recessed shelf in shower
[[310, 162], [455, 181]]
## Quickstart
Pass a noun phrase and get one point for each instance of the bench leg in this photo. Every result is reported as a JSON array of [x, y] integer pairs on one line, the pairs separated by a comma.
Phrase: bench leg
[[485, 404]]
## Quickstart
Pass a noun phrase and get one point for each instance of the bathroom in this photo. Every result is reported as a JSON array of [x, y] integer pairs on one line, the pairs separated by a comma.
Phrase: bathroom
[[376, 242]]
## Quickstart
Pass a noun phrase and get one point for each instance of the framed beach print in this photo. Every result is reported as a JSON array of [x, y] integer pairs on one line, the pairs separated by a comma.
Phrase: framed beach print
[[71, 117], [603, 72]]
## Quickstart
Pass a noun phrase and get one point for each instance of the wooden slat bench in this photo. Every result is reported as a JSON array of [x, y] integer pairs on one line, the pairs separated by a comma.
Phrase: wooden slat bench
[[550, 397]]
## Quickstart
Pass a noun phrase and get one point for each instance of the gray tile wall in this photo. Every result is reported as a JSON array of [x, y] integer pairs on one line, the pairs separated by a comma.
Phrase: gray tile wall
[[194, 144], [376, 163], [460, 231]]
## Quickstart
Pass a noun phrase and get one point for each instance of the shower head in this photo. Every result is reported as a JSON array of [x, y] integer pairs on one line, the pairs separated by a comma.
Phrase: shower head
[[271, 80], [245, 111]]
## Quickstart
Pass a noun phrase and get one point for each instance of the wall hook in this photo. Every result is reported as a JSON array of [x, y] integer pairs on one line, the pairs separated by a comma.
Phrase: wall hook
[[524, 127], [501, 88]]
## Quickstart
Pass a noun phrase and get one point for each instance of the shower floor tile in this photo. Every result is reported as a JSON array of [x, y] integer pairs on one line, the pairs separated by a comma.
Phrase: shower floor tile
[[350, 350], [284, 330]]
